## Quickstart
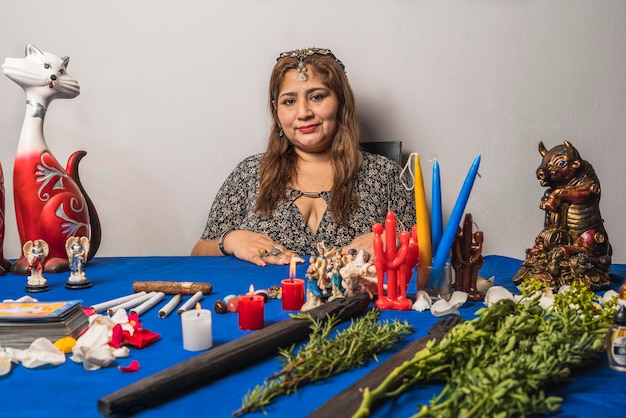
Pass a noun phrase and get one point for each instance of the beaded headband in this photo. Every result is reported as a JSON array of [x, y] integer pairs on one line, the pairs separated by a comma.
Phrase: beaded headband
[[301, 54]]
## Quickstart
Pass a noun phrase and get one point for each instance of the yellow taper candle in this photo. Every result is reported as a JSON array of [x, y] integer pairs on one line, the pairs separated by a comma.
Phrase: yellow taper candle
[[423, 226]]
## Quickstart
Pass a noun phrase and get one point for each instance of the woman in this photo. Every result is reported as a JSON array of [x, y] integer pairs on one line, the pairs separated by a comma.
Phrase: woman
[[313, 184]]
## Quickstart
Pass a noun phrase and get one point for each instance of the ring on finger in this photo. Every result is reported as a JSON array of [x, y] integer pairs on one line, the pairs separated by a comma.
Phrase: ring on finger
[[263, 253], [276, 251]]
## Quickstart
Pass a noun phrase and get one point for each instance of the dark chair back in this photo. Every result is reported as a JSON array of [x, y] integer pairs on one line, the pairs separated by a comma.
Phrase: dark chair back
[[390, 149]]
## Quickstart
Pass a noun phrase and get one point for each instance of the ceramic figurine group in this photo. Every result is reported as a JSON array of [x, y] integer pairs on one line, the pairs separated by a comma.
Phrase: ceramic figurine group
[[573, 246], [35, 252], [332, 275], [50, 202]]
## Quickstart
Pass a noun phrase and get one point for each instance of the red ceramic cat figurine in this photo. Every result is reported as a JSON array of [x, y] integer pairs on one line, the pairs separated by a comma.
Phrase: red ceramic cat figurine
[[50, 202]]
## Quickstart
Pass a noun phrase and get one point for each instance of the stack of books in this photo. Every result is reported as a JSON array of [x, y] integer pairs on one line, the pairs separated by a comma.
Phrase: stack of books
[[21, 323]]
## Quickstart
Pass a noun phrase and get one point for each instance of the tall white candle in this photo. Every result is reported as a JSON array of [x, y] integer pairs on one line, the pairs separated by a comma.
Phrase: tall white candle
[[197, 329]]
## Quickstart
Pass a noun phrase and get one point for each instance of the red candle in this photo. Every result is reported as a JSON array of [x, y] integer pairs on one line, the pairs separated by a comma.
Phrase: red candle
[[292, 289], [292, 294], [251, 311]]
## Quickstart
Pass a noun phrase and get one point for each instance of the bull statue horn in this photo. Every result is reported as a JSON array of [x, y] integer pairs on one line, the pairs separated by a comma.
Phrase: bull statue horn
[[542, 149]]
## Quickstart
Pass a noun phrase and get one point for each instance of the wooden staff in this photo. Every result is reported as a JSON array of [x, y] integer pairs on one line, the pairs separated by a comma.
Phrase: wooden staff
[[223, 360], [350, 399]]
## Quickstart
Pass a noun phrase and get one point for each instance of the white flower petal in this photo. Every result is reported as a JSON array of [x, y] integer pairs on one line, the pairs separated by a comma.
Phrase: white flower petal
[[422, 301]]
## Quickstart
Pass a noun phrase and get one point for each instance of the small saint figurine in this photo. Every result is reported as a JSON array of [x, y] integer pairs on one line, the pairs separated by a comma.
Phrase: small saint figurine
[[35, 252], [77, 249], [313, 291], [335, 279]]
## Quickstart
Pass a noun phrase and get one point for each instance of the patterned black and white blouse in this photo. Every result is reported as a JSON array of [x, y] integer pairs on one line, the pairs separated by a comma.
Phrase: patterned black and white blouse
[[378, 187]]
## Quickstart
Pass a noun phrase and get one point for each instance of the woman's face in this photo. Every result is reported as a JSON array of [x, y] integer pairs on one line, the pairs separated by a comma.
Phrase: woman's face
[[307, 112]]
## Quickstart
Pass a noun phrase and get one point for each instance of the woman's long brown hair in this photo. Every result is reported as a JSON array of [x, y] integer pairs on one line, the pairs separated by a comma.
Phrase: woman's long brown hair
[[278, 166]]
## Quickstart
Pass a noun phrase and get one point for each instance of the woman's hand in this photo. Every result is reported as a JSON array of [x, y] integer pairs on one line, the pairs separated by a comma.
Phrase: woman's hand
[[362, 242], [256, 248]]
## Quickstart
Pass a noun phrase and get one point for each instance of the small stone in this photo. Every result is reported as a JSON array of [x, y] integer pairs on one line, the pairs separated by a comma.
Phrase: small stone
[[220, 307], [233, 305]]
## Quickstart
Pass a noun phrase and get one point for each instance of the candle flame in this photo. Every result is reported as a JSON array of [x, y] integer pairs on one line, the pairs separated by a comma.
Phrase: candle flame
[[292, 267], [251, 289], [198, 306]]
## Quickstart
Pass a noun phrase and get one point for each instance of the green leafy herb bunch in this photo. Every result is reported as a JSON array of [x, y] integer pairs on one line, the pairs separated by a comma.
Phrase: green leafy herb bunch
[[325, 355], [498, 364]]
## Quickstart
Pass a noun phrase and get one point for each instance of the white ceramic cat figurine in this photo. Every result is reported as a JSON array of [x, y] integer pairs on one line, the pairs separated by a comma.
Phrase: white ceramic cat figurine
[[50, 202]]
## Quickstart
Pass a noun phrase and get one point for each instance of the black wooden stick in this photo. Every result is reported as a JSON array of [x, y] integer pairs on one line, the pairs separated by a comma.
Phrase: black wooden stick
[[222, 360], [350, 399]]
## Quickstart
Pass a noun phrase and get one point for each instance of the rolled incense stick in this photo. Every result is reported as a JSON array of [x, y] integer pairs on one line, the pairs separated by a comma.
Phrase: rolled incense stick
[[156, 298], [173, 288], [191, 302], [130, 303], [222, 360], [103, 306], [169, 306]]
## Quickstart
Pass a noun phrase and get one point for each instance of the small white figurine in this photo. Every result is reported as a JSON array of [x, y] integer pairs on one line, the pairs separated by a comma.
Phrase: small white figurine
[[359, 275], [313, 291], [35, 252], [77, 249]]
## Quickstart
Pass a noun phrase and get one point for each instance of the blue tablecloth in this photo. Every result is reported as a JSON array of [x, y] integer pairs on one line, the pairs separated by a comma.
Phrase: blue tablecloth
[[69, 390]]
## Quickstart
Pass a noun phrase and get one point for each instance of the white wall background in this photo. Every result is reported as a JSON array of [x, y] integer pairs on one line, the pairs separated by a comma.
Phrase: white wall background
[[173, 95]]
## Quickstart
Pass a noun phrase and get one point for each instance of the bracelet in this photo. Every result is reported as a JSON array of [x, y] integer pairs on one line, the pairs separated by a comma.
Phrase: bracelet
[[221, 241]]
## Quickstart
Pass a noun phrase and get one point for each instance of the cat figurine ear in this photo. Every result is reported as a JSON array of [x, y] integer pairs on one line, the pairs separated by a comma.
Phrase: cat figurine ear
[[50, 201], [33, 50]]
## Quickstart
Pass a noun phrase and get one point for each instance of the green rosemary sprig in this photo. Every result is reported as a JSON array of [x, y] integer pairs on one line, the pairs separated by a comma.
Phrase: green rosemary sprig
[[323, 356], [498, 364]]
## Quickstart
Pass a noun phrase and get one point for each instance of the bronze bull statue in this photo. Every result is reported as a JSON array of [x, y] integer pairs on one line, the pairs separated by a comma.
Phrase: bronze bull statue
[[573, 244]]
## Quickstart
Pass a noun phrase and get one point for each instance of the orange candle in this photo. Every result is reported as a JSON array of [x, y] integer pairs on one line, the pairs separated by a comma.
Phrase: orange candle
[[423, 225], [251, 310]]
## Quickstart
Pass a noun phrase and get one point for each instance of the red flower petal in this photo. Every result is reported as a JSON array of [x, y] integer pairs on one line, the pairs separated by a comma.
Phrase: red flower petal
[[133, 320], [141, 338], [117, 337], [132, 367]]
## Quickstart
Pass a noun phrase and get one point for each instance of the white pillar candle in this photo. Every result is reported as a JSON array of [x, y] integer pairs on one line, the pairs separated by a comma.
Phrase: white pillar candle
[[197, 329]]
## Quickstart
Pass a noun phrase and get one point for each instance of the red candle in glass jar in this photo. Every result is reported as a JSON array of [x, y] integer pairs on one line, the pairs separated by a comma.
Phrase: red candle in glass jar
[[292, 290], [251, 311]]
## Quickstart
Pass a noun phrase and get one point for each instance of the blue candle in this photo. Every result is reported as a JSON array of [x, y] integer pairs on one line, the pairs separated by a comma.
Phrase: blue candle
[[441, 256], [436, 216]]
